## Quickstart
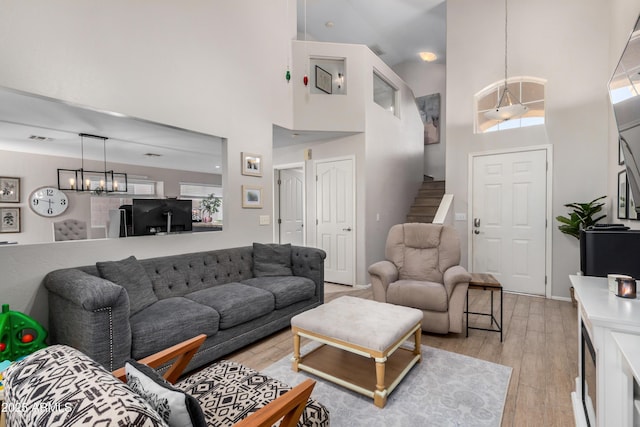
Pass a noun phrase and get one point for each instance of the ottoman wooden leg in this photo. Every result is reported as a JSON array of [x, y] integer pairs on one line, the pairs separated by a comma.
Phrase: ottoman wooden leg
[[380, 395], [418, 350], [296, 351]]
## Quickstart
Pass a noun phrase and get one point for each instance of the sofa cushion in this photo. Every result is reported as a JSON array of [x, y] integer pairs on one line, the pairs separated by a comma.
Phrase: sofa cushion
[[236, 303], [286, 290], [74, 389], [271, 260], [229, 392], [417, 294], [174, 406], [129, 274], [169, 322]]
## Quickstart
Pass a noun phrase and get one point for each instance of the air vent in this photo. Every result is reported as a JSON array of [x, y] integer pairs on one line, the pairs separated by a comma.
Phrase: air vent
[[39, 138], [152, 155], [376, 49]]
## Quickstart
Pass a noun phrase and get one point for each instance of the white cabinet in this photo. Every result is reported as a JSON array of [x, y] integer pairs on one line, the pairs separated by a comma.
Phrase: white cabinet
[[607, 319]]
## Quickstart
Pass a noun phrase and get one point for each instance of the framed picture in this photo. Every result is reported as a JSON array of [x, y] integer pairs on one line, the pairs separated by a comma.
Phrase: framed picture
[[251, 196], [9, 220], [324, 80], [9, 189], [251, 164], [622, 195], [631, 205], [620, 152], [429, 108]]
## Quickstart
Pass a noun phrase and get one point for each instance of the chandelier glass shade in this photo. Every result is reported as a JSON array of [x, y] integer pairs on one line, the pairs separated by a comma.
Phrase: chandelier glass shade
[[96, 182]]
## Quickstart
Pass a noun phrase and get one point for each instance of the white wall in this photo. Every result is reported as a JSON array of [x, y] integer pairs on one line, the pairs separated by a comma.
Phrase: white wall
[[566, 43], [192, 66], [424, 79], [388, 154]]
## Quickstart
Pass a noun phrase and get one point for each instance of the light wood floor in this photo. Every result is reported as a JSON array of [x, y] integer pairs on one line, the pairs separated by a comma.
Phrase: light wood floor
[[540, 344]]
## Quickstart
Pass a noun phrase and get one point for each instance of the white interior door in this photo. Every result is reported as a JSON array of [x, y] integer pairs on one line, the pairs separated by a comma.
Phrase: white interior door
[[335, 231], [509, 219], [291, 197]]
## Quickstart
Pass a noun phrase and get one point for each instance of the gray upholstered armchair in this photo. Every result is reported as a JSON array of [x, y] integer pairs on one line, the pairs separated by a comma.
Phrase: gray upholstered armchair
[[421, 271]]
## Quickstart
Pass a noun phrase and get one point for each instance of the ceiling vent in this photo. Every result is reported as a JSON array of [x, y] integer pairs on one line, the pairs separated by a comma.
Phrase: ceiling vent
[[377, 50], [39, 138]]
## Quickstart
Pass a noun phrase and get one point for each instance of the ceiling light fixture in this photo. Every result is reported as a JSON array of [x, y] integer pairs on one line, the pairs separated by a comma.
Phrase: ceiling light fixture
[[506, 108], [428, 56], [97, 182]]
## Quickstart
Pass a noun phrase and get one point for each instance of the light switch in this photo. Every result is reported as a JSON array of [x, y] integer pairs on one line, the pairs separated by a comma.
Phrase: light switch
[[461, 216], [265, 219]]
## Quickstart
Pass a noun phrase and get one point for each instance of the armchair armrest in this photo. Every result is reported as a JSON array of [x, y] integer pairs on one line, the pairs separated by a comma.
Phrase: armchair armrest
[[181, 354], [454, 276], [382, 274], [91, 314], [289, 407]]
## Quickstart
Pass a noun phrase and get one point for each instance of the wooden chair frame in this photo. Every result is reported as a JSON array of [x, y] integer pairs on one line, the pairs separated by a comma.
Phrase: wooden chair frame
[[289, 406]]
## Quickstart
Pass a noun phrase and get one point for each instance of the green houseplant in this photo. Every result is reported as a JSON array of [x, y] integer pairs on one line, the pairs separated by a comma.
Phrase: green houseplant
[[210, 204], [581, 216]]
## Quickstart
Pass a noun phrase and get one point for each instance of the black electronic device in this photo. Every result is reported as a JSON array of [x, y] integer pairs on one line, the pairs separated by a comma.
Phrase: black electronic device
[[610, 251], [154, 216]]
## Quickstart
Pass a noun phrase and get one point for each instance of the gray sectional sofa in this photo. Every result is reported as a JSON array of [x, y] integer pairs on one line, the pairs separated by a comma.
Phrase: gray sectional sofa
[[117, 310]]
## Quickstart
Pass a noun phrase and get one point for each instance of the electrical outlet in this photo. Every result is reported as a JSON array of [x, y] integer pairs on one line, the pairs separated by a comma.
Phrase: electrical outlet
[[265, 220]]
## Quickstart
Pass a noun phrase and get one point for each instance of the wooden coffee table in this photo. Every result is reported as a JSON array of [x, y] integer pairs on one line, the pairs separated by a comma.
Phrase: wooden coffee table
[[361, 344]]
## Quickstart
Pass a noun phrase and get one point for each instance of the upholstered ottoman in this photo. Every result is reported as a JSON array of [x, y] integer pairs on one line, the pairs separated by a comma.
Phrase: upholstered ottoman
[[360, 338], [228, 392]]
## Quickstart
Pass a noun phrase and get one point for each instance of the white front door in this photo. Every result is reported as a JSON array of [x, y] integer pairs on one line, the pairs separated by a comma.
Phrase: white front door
[[335, 219], [291, 197], [509, 219]]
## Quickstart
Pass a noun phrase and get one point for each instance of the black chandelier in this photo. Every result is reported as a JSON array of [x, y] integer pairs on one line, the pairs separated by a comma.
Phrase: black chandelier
[[96, 182]]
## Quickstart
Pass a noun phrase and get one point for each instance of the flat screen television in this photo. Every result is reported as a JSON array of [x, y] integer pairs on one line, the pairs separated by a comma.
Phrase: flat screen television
[[153, 216], [624, 92]]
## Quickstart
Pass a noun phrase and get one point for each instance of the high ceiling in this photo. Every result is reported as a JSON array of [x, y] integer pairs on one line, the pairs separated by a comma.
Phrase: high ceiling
[[396, 30]]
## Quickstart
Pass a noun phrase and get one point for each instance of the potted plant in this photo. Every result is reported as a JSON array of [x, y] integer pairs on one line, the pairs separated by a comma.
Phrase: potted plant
[[581, 216], [210, 205]]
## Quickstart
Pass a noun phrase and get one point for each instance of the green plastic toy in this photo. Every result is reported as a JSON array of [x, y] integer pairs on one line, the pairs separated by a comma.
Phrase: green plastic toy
[[20, 335]]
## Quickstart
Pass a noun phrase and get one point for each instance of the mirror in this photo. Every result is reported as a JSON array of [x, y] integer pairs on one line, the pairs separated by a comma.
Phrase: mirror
[[40, 135], [624, 92]]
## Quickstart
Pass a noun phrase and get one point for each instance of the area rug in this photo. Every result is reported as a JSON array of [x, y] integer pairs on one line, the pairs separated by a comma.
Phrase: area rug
[[445, 389]]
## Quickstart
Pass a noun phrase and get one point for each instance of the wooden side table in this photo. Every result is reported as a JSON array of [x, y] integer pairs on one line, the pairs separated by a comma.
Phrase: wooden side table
[[485, 282]]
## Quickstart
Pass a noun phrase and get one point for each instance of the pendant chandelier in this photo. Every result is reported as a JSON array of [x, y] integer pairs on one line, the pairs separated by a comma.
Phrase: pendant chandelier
[[96, 182], [506, 108]]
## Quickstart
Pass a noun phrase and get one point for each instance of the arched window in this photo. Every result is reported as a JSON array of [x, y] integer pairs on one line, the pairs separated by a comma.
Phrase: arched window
[[528, 90]]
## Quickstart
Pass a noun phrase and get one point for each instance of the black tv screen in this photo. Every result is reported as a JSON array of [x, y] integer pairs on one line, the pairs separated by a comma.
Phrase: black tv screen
[[151, 216]]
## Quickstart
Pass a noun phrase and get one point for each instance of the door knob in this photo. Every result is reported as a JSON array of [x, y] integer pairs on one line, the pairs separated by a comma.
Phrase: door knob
[[346, 229], [476, 222]]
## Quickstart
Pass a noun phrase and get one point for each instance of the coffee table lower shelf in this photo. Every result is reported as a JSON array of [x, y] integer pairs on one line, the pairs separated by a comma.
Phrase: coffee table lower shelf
[[355, 372]]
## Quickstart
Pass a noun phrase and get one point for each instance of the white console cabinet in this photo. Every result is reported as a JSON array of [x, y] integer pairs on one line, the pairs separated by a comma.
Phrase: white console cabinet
[[613, 326]]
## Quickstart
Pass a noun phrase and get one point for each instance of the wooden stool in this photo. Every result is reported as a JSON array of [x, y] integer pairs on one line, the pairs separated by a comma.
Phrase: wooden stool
[[485, 282]]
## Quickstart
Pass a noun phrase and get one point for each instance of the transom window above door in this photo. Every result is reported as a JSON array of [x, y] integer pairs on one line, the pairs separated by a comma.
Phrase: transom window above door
[[527, 90]]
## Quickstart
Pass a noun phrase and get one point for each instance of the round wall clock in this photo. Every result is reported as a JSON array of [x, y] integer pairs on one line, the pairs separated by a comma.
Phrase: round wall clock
[[48, 201]]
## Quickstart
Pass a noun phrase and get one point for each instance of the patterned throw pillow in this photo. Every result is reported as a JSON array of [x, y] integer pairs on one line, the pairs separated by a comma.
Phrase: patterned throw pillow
[[60, 386], [175, 407]]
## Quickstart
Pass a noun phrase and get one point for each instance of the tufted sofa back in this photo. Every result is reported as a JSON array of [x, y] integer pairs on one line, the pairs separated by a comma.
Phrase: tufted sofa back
[[178, 275], [422, 251]]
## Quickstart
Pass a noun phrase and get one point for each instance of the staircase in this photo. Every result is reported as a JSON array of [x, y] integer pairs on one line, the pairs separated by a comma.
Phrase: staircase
[[426, 204]]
